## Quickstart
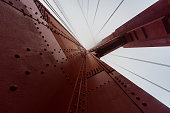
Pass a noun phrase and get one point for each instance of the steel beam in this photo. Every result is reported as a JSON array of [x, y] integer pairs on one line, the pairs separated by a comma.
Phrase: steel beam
[[150, 28]]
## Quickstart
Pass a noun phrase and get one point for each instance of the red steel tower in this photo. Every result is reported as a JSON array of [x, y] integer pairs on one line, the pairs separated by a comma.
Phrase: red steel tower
[[44, 69]]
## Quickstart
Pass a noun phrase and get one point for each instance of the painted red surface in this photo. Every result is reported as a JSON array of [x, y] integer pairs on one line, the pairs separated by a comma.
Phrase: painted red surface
[[44, 69]]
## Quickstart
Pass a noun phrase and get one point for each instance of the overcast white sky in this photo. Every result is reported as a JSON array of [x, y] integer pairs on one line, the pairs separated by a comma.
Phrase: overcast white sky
[[129, 8]]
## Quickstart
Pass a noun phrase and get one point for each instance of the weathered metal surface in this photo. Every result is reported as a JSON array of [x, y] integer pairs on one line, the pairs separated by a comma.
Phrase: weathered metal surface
[[44, 69]]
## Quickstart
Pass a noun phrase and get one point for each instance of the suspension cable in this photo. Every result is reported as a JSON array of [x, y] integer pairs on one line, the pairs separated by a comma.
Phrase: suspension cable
[[82, 4], [140, 77], [87, 8], [142, 60], [96, 10], [48, 4], [60, 18], [57, 3], [110, 17], [86, 21]]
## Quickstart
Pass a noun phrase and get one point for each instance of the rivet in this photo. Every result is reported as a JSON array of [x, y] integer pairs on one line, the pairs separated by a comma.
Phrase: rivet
[[13, 88], [133, 93], [24, 14], [42, 72], [10, 3], [17, 56], [28, 49], [144, 104], [137, 98], [27, 72]]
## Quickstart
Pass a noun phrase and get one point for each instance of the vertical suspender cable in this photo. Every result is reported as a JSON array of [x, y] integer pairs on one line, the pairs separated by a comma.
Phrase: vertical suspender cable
[[110, 17]]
